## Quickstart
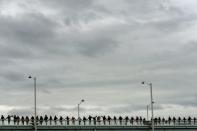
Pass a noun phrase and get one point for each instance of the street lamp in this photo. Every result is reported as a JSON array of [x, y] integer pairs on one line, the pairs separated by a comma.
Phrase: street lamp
[[151, 98], [79, 105], [35, 121]]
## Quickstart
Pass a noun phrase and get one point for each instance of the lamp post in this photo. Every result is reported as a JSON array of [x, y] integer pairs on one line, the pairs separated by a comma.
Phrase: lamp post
[[35, 121], [151, 98], [79, 105]]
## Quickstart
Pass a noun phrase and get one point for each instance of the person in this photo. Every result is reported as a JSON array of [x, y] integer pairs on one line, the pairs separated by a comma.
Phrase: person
[[159, 120], [9, 119], [50, 120], [61, 120], [67, 120], [109, 120], [163, 120], [2, 119], [99, 120], [179, 120], [132, 120], [73, 120], [79, 120], [137, 120], [18, 120], [27, 120], [84, 120], [120, 120], [46, 119], [115, 120], [126, 120], [104, 119], [174, 120], [184, 120], [55, 120], [41, 120], [94, 119], [32, 120], [194, 120], [155, 120], [169, 120], [189, 120], [22, 120], [140, 119], [90, 119]]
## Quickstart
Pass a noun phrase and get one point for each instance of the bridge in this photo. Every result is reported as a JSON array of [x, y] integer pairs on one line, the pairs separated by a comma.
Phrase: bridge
[[98, 125]]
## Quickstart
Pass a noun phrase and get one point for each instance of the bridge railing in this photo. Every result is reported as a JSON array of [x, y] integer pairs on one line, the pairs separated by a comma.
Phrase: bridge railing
[[98, 123]]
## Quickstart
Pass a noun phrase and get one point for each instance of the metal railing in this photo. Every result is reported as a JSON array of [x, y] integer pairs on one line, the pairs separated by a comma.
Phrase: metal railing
[[112, 122]]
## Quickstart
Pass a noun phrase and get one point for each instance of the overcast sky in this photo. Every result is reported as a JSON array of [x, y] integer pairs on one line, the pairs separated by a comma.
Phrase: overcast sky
[[100, 51]]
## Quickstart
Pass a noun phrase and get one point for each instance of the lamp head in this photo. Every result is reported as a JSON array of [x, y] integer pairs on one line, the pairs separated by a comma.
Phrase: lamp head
[[30, 77], [82, 100]]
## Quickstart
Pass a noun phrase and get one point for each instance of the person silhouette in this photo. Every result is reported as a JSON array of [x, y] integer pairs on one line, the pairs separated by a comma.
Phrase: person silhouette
[[61, 120], [2, 119], [46, 119], [22, 120], [67, 120], [27, 120], [90, 119], [115, 120], [9, 119], [84, 120]]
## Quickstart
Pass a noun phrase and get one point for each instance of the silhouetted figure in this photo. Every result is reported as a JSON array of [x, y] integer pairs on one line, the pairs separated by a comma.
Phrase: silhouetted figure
[[50, 120], [2, 119], [144, 121], [79, 120], [22, 120], [9, 119], [159, 120], [15, 119], [120, 120], [67, 120], [61, 120], [163, 120], [126, 120], [55, 120], [140, 119], [89, 119], [37, 120], [32, 120], [194, 120], [84, 120], [115, 120], [18, 120], [109, 120], [137, 120], [155, 120], [41, 120], [184, 120], [189, 120], [169, 120], [174, 120], [99, 120], [46, 119], [94, 120], [73, 120], [104, 120], [27, 120], [131, 120], [179, 120]]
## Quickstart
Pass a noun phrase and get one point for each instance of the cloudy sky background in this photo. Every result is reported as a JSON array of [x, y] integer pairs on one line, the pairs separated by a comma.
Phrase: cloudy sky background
[[98, 50]]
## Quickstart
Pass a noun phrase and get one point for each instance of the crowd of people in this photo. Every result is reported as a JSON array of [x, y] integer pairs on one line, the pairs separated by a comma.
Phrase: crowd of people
[[93, 120]]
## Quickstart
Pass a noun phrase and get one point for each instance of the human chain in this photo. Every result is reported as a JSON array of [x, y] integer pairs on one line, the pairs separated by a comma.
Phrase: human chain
[[96, 121]]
